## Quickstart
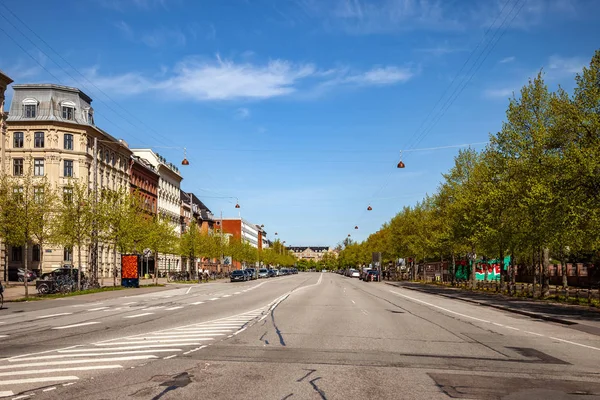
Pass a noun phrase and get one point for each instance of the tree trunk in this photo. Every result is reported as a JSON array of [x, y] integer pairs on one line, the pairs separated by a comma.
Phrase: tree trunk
[[79, 266], [453, 277], [545, 273], [563, 270], [26, 277], [502, 274], [156, 267], [473, 275], [114, 266]]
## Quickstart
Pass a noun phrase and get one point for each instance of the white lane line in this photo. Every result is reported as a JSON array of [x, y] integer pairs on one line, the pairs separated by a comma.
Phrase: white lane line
[[148, 346], [227, 295], [109, 353], [214, 298], [364, 312], [91, 360], [353, 302], [87, 305], [198, 302], [237, 292], [576, 344], [115, 309], [184, 335], [6, 393], [173, 308], [533, 333], [139, 315], [3, 336], [76, 325], [131, 302], [440, 308], [189, 290], [154, 343], [49, 389], [169, 357], [240, 331], [52, 370], [152, 308], [166, 340], [53, 315], [505, 326], [21, 397], [68, 384], [98, 308], [193, 350]]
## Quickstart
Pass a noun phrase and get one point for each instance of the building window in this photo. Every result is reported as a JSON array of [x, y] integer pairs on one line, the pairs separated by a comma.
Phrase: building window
[[30, 110], [17, 253], [38, 139], [18, 167], [38, 167], [68, 141], [38, 194], [68, 112], [112, 159], [68, 254], [68, 194], [18, 193], [90, 118], [107, 156], [68, 168], [18, 140], [35, 256]]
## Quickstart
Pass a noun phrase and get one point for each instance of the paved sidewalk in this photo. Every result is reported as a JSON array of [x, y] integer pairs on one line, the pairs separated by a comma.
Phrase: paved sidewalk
[[16, 290], [582, 318]]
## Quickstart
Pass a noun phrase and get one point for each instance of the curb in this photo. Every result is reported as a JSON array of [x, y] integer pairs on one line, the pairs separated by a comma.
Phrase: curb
[[508, 309]]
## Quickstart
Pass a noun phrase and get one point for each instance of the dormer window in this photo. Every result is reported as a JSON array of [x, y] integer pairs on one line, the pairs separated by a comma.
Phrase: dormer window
[[68, 110], [30, 106], [88, 114]]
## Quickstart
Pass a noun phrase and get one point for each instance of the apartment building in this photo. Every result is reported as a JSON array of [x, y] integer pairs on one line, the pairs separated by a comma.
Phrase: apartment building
[[169, 199], [144, 181], [239, 228], [51, 133], [314, 253]]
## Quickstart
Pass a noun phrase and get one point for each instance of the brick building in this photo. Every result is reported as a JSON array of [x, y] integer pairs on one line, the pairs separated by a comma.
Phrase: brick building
[[143, 179]]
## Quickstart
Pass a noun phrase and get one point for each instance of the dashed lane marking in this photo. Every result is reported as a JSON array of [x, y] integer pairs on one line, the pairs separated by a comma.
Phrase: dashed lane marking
[[76, 325], [54, 315], [139, 315]]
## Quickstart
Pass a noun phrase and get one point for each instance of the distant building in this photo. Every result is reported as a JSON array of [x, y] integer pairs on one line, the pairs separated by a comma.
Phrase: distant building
[[169, 200], [239, 228], [144, 182], [314, 253]]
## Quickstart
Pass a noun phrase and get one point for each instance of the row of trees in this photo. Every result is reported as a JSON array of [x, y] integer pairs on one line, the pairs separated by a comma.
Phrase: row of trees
[[533, 192], [33, 211]]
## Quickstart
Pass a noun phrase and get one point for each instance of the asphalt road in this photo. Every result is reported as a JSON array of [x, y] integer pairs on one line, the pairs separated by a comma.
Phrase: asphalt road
[[307, 336]]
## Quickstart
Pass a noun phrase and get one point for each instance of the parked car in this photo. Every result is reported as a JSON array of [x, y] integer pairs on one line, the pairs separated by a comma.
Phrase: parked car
[[62, 271], [372, 276], [285, 271], [31, 276], [238, 276], [252, 273], [263, 273], [354, 273], [272, 273]]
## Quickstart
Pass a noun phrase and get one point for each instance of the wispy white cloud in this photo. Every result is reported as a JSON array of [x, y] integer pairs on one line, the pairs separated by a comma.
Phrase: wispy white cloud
[[501, 93], [559, 67], [206, 80], [392, 16], [507, 60], [157, 37], [242, 113]]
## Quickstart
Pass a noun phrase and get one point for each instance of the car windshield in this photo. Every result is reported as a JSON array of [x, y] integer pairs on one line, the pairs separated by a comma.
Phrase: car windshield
[[300, 199]]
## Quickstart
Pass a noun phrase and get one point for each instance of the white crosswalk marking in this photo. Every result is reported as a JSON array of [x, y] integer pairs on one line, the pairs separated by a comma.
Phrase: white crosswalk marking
[[26, 372]]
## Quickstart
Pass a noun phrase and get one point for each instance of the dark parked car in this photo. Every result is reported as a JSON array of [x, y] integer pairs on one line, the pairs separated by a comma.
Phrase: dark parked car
[[238, 276], [372, 276], [252, 272], [272, 273], [63, 271]]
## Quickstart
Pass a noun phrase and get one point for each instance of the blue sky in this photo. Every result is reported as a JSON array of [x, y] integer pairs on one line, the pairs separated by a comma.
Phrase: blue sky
[[300, 108]]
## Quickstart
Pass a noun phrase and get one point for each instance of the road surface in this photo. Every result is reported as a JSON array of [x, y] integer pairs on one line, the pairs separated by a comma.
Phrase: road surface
[[306, 336]]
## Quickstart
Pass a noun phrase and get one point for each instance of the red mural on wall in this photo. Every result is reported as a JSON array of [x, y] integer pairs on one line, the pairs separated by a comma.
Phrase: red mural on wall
[[129, 266]]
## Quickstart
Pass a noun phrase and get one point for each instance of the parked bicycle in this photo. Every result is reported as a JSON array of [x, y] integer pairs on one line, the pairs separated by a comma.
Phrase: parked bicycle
[[178, 276]]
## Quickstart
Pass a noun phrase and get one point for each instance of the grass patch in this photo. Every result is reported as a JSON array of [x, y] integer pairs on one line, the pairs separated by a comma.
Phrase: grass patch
[[37, 296]]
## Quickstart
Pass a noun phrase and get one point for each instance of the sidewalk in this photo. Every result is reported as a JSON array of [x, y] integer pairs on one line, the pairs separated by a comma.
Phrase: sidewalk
[[577, 317]]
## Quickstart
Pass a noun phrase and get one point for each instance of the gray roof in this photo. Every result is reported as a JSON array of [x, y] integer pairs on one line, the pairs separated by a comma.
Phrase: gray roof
[[49, 98]]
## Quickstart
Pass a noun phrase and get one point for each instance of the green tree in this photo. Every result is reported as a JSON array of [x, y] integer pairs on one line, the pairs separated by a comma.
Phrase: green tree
[[75, 220]]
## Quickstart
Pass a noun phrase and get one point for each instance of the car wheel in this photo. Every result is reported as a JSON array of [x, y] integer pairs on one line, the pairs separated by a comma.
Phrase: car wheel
[[43, 289]]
